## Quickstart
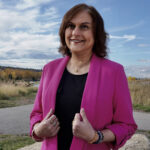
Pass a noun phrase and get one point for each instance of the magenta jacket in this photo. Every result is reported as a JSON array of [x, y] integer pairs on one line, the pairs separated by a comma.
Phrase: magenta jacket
[[106, 101]]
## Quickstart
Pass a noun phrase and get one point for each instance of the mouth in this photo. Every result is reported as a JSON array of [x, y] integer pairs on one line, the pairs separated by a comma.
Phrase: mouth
[[76, 40]]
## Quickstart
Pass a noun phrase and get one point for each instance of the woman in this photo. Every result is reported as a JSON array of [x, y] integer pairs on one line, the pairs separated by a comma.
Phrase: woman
[[83, 101]]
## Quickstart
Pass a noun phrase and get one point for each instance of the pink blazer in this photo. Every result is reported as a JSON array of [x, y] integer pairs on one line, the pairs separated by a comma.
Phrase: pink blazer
[[106, 100]]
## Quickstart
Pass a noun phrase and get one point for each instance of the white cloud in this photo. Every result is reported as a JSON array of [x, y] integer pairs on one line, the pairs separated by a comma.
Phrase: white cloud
[[28, 33], [52, 12], [25, 4], [126, 37], [21, 42], [25, 63], [12, 20]]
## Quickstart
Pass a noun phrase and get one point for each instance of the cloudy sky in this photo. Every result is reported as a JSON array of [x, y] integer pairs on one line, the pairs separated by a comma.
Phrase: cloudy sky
[[29, 32]]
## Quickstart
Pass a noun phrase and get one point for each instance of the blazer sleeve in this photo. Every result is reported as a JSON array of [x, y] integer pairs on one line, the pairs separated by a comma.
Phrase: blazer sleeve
[[37, 113], [123, 124]]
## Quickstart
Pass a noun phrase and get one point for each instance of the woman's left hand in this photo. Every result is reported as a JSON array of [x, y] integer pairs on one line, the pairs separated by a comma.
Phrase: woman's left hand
[[82, 129]]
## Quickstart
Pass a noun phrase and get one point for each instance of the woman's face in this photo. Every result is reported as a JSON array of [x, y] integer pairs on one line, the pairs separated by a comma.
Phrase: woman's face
[[79, 33]]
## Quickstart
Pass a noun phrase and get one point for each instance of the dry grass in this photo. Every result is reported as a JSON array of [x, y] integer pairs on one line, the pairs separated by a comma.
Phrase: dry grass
[[16, 94], [140, 92], [10, 90]]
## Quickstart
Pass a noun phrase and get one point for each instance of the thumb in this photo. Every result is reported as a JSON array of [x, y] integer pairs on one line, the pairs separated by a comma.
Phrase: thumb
[[49, 114], [77, 117], [83, 114]]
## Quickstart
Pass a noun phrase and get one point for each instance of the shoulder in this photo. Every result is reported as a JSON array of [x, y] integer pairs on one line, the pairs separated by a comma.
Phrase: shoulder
[[111, 69], [107, 63], [52, 64]]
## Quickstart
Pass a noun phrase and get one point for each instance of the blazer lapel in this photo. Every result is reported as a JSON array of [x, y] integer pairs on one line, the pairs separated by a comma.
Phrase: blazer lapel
[[89, 97], [53, 85], [90, 94]]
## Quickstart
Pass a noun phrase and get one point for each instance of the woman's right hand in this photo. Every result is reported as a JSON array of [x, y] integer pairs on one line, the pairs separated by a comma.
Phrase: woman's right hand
[[48, 127]]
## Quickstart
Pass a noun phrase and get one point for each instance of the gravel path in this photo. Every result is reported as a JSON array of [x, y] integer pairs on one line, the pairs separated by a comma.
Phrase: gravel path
[[15, 120], [143, 120]]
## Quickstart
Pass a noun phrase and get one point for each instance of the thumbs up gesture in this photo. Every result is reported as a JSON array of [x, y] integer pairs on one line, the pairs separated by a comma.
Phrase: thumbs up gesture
[[48, 127], [82, 129]]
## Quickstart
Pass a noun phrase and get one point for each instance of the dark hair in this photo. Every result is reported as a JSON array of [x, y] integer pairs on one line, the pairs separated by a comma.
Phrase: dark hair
[[100, 36]]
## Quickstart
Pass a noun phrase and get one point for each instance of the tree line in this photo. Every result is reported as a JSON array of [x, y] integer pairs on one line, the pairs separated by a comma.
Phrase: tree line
[[19, 74], [10, 73]]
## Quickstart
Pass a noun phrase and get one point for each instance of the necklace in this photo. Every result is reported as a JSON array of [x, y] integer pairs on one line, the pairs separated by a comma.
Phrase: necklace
[[78, 69]]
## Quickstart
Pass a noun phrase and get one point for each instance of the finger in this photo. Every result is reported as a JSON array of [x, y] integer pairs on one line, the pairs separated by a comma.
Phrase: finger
[[51, 119], [55, 131], [76, 122], [83, 114], [49, 114], [52, 130], [75, 132], [55, 124], [77, 117]]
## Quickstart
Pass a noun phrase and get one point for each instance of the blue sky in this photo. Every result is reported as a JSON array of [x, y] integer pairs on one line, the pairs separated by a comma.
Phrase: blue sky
[[29, 32]]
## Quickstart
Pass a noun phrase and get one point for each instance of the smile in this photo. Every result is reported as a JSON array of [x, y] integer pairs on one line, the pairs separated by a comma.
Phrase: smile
[[76, 41]]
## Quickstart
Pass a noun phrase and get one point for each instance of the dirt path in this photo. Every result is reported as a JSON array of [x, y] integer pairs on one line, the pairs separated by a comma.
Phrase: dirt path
[[15, 120]]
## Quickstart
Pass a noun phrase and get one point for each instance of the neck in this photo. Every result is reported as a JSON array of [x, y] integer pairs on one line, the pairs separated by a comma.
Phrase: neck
[[79, 63]]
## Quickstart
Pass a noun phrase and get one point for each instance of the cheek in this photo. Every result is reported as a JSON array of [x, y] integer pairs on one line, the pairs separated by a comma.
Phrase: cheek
[[67, 32], [91, 41], [91, 38]]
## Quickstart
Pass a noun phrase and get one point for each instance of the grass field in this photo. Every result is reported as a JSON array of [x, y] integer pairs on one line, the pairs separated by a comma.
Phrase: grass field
[[16, 94], [13, 142], [140, 94]]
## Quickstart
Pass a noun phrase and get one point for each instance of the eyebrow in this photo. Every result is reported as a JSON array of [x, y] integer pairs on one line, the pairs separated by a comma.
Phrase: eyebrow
[[81, 23], [85, 23]]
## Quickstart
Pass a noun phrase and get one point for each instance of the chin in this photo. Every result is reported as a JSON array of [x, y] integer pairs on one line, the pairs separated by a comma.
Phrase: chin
[[76, 50]]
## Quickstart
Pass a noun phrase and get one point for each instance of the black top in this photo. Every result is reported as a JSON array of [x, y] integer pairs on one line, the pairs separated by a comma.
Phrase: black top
[[68, 101]]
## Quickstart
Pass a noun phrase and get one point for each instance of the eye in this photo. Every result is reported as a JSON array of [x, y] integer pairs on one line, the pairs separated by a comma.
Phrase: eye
[[71, 26], [84, 27]]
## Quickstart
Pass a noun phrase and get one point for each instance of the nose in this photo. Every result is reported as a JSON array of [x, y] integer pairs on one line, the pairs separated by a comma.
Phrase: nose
[[76, 31]]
